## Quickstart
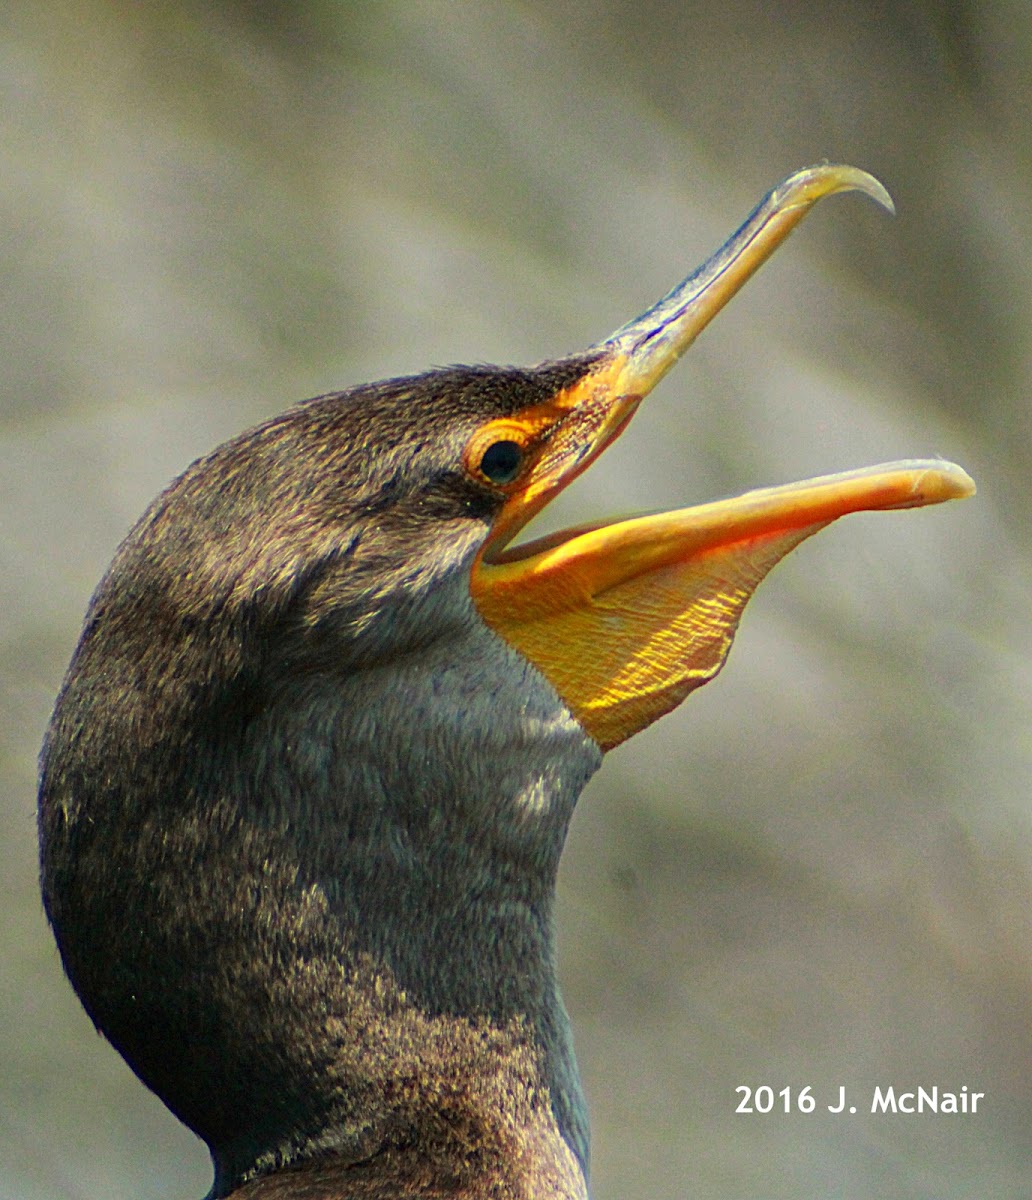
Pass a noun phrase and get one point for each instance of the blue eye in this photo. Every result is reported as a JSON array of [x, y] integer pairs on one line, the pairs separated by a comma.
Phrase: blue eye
[[502, 461]]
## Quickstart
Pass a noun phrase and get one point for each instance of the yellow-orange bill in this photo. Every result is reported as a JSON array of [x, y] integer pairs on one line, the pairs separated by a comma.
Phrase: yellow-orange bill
[[625, 619]]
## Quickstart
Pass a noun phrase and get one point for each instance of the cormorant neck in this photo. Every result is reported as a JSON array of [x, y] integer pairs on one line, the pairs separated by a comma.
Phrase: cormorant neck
[[341, 954]]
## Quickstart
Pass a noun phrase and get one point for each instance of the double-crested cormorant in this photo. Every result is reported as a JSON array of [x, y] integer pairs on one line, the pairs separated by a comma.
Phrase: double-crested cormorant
[[308, 779]]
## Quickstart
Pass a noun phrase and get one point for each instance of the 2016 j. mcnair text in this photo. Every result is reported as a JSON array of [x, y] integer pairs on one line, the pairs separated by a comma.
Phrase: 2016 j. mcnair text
[[764, 1099]]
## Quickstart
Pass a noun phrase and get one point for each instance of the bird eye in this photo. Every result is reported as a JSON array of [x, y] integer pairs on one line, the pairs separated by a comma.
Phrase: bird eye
[[502, 461]]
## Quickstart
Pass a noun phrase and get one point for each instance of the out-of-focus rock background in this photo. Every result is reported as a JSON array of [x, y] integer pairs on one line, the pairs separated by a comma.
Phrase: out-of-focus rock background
[[819, 870]]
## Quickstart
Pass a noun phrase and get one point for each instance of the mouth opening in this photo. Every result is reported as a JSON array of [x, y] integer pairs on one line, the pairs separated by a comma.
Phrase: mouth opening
[[626, 616]]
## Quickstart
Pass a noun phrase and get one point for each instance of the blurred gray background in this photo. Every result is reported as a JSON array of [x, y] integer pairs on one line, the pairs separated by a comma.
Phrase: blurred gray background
[[818, 871]]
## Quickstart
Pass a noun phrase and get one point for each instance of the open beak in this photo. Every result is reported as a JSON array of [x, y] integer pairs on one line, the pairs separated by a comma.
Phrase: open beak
[[626, 619]]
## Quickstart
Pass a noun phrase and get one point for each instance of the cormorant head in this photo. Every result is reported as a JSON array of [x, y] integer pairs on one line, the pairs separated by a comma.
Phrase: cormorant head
[[307, 782]]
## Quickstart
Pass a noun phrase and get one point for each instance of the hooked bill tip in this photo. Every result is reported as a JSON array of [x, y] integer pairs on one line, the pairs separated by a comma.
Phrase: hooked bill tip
[[825, 179]]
